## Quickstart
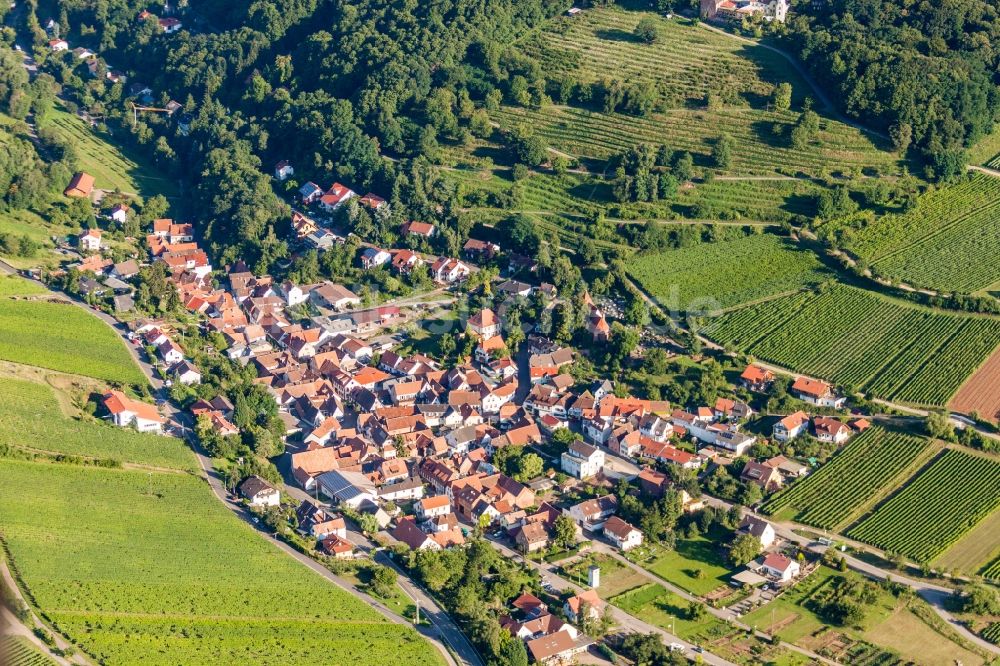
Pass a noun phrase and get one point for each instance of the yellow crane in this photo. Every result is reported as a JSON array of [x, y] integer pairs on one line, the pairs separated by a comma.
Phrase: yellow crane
[[136, 109]]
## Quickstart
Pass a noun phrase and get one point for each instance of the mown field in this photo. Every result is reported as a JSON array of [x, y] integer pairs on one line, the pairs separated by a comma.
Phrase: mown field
[[931, 512], [109, 164], [864, 340], [950, 241], [870, 465], [18, 651], [30, 417], [152, 569], [714, 276], [60, 336]]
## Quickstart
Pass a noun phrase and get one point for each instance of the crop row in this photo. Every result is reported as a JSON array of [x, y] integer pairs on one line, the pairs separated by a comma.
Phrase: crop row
[[936, 508], [861, 470], [863, 340], [17, 651]]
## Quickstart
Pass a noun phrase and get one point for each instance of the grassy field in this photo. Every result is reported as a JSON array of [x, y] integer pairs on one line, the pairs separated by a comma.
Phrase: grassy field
[[696, 565], [936, 508], [31, 417], [151, 568], [890, 624], [861, 339], [869, 466], [950, 241], [19, 651], [701, 277], [60, 336], [111, 166]]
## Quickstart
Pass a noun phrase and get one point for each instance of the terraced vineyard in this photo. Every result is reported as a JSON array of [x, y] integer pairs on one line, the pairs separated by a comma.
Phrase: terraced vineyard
[[867, 467], [758, 152], [687, 62], [931, 512], [860, 339], [949, 242], [701, 277], [18, 651]]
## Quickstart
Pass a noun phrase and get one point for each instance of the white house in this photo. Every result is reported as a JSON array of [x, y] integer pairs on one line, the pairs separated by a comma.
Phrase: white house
[[817, 393], [780, 566], [90, 241], [259, 492], [761, 529], [126, 412], [283, 170], [186, 373], [432, 507], [791, 426], [593, 513], [620, 533], [582, 460], [484, 323]]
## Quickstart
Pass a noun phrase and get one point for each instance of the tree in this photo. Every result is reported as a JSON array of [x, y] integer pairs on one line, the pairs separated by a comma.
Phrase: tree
[[743, 549], [722, 151], [564, 531], [782, 96], [647, 30], [383, 580]]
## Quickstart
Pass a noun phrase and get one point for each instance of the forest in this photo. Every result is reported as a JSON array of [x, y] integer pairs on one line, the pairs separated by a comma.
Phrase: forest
[[924, 72]]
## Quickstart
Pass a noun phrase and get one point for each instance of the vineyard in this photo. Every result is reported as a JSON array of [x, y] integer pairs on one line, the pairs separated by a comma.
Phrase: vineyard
[[701, 277], [950, 241], [872, 464], [18, 651], [860, 339], [60, 336], [31, 417], [151, 568], [931, 512]]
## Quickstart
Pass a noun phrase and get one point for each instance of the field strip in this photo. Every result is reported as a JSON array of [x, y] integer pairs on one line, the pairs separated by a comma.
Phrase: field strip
[[976, 549]]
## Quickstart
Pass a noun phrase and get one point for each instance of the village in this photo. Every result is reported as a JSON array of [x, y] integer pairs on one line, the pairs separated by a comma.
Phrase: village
[[386, 446]]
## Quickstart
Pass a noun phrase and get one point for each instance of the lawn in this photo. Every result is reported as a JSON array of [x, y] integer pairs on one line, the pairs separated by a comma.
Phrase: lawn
[[60, 336], [111, 165], [31, 417], [151, 568], [615, 576], [696, 565], [700, 277]]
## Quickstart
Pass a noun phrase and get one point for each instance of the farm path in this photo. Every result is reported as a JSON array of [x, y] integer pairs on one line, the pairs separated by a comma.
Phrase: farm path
[[934, 594], [721, 613], [981, 169]]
